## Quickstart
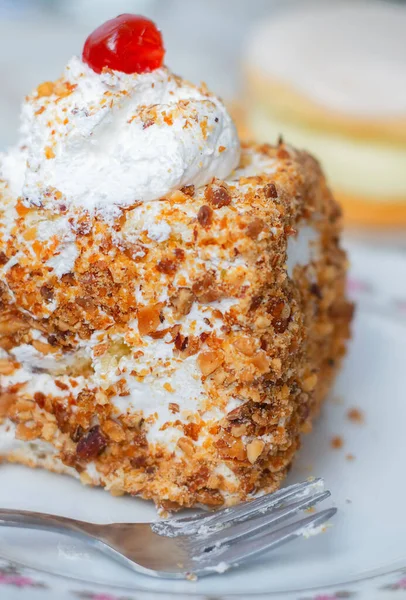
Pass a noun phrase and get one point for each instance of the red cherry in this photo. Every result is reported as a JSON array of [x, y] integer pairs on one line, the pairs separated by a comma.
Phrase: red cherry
[[128, 43]]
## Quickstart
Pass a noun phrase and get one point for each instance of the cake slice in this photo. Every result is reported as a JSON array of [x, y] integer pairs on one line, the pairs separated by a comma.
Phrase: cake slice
[[172, 346], [190, 343]]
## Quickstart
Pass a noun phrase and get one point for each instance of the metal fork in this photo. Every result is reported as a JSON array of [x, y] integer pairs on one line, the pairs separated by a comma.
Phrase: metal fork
[[199, 544]]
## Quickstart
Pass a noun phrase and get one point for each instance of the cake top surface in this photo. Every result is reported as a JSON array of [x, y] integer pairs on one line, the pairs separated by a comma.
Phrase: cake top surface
[[348, 56]]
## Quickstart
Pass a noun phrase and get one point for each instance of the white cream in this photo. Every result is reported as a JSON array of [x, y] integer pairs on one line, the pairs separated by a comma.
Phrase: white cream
[[48, 230], [7, 214], [169, 380], [8, 443], [302, 248], [64, 261], [12, 169], [225, 471], [146, 218], [28, 356], [348, 56], [93, 473], [32, 361], [35, 452], [38, 382], [117, 139]]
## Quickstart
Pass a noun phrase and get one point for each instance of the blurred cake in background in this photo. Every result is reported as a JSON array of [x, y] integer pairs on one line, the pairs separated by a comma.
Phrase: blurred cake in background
[[331, 77]]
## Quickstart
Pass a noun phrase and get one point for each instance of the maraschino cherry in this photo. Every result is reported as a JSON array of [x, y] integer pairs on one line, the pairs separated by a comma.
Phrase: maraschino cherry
[[128, 43]]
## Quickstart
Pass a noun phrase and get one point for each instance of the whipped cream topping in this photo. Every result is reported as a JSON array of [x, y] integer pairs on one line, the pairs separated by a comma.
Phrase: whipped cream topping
[[348, 56], [94, 141]]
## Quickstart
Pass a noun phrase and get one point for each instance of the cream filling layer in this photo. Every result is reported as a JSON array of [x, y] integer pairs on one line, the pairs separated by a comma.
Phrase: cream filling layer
[[353, 166], [10, 446]]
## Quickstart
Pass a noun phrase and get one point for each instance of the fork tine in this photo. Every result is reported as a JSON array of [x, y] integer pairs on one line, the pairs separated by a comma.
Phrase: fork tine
[[232, 554], [255, 525], [241, 512]]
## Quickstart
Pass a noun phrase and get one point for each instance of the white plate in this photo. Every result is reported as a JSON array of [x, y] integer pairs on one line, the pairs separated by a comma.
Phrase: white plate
[[362, 554]]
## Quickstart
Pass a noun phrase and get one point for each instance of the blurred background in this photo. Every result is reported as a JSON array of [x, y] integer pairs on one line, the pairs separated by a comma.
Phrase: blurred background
[[37, 37]]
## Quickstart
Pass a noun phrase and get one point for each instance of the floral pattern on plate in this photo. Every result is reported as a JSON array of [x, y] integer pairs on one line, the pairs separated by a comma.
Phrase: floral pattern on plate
[[26, 584]]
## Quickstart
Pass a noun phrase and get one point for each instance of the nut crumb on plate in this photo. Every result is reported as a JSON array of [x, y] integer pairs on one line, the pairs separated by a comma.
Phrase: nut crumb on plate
[[356, 415], [337, 442]]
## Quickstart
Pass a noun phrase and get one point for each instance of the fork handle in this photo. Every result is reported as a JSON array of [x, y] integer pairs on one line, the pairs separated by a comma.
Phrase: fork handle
[[34, 520]]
